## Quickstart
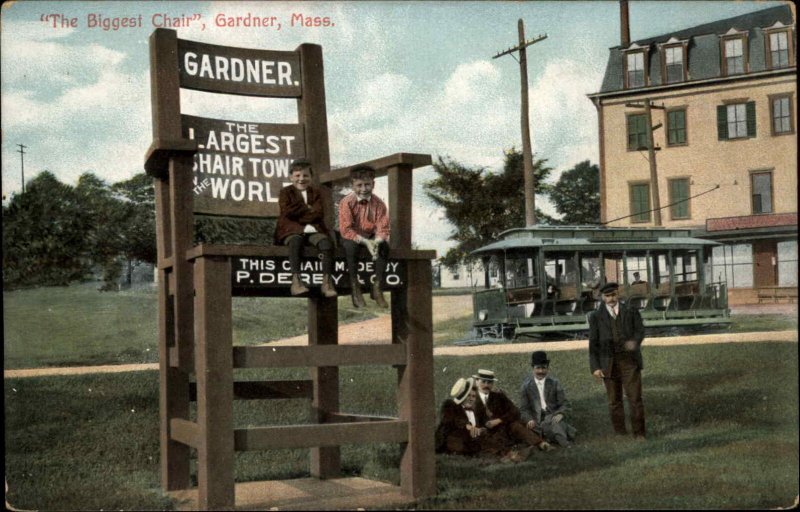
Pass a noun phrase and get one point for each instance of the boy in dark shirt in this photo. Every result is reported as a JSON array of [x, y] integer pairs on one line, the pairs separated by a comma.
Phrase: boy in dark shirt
[[302, 221]]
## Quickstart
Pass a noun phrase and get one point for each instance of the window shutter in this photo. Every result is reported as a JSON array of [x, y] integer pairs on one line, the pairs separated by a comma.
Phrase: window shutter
[[751, 118], [722, 122]]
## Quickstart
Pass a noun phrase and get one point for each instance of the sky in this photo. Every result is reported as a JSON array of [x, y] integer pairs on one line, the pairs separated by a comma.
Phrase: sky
[[411, 76]]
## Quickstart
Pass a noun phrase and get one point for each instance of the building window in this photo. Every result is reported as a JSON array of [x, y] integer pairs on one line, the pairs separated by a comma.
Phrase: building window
[[637, 131], [736, 120], [679, 198], [761, 187], [732, 265], [640, 202], [787, 263], [635, 70], [734, 56], [781, 108], [779, 50], [676, 127], [673, 58]]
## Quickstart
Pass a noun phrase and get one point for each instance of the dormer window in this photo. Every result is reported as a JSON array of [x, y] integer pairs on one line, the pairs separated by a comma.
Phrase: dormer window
[[674, 64], [635, 66], [635, 70], [779, 47], [734, 53], [734, 58], [673, 60]]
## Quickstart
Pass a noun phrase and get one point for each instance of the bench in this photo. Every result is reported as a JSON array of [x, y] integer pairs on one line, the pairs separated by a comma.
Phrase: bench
[[777, 293]]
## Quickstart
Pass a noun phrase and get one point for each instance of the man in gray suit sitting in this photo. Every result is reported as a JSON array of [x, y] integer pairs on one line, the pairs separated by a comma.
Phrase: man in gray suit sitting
[[544, 403]]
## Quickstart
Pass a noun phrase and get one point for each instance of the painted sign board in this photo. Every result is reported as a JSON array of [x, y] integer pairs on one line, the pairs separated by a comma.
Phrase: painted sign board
[[275, 272], [240, 167], [231, 70]]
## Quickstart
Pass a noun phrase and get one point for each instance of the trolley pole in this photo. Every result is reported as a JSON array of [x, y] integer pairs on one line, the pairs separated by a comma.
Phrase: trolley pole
[[21, 152], [527, 156]]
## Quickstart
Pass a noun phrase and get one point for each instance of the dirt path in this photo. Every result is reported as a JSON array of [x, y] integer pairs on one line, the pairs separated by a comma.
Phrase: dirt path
[[378, 331]]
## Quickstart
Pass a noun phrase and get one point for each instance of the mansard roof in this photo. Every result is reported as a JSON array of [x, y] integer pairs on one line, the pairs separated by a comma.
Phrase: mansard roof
[[703, 48]]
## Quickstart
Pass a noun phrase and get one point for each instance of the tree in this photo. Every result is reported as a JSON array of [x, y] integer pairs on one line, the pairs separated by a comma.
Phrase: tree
[[44, 235], [576, 195], [137, 199], [481, 204], [105, 221]]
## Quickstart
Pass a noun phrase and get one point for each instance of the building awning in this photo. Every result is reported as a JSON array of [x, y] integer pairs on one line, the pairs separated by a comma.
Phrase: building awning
[[777, 225]]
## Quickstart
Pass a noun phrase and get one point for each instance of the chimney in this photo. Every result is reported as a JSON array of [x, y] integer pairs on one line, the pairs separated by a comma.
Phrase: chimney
[[624, 26]]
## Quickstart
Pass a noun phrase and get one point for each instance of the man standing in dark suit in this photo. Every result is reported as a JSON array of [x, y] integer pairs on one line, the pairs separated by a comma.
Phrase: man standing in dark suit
[[615, 336]]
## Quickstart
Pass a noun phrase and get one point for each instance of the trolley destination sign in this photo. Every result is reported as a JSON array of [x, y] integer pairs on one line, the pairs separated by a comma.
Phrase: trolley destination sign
[[275, 272], [240, 167]]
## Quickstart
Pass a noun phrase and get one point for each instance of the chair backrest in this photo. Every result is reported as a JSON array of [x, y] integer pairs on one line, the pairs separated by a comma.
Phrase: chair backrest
[[238, 167]]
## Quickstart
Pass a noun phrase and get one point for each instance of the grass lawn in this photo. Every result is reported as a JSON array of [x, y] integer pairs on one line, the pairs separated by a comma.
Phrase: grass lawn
[[721, 436], [454, 329], [78, 325]]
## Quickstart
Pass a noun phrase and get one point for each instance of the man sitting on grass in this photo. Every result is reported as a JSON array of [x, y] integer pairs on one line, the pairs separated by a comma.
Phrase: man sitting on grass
[[502, 416], [544, 403]]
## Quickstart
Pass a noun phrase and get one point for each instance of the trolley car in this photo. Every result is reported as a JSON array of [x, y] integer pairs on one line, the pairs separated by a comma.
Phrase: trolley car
[[542, 280]]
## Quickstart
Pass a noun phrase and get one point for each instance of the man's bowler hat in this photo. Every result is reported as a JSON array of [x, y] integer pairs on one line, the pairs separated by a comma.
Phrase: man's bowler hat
[[461, 389], [539, 358], [608, 288]]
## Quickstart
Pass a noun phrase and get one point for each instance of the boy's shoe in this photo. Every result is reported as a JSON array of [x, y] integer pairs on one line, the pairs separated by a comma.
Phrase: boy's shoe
[[358, 298], [377, 295], [298, 288], [327, 286]]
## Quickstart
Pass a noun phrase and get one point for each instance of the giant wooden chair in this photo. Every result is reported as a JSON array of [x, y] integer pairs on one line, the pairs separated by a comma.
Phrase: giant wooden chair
[[195, 290]]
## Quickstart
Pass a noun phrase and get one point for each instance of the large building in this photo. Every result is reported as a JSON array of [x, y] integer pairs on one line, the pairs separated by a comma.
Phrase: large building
[[723, 101]]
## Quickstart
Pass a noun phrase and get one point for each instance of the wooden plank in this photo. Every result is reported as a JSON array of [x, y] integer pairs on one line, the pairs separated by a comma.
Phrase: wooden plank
[[267, 73], [415, 386], [312, 110], [323, 333], [318, 356], [156, 160], [180, 218], [340, 417], [265, 390], [400, 209], [329, 434], [214, 374], [173, 402], [245, 251], [185, 432], [165, 100], [407, 161]]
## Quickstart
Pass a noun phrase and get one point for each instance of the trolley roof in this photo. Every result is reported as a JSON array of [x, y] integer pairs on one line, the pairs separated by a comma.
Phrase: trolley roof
[[594, 238]]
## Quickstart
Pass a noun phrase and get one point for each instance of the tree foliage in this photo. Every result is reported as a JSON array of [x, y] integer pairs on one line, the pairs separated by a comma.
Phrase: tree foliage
[[44, 234], [481, 204], [576, 195], [54, 233]]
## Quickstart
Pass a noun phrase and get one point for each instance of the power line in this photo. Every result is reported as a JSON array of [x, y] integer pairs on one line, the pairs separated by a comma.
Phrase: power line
[[661, 208]]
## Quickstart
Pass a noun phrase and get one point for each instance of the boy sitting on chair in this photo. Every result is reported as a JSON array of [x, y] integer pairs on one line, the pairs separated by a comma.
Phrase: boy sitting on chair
[[302, 221], [364, 221]]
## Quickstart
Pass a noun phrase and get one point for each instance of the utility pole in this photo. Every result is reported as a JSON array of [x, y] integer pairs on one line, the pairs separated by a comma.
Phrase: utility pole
[[651, 154], [527, 157], [21, 152]]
